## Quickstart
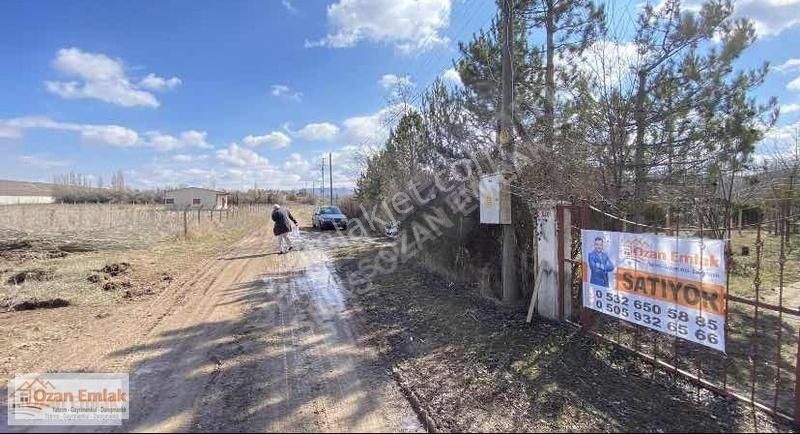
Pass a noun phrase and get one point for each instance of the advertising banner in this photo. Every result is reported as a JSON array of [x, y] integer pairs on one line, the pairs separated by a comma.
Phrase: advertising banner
[[672, 285]]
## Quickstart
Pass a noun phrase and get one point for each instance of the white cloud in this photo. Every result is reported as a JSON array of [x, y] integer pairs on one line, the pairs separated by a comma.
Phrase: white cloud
[[154, 82], [778, 139], [452, 76], [187, 139], [297, 165], [239, 167], [794, 85], [113, 135], [391, 81], [7, 132], [289, 7], [238, 156], [783, 133], [372, 130], [789, 65], [88, 66], [283, 91], [199, 173], [274, 140], [790, 108], [410, 25], [42, 161], [770, 17], [119, 93], [103, 78], [323, 131], [610, 62], [195, 138], [183, 158]]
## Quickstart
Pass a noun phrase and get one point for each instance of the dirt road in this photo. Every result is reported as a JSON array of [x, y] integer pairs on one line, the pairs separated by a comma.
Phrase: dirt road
[[254, 341]]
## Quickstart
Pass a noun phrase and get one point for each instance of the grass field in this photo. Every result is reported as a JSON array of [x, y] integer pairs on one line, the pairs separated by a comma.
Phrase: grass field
[[101, 254]]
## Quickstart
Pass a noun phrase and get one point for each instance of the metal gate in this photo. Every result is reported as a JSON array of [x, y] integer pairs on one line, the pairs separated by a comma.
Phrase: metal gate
[[762, 363]]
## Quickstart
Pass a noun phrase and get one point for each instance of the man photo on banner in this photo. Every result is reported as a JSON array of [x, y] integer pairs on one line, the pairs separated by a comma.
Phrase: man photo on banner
[[599, 264]]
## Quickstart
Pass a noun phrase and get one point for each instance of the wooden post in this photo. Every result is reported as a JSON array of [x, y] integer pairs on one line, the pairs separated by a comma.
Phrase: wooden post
[[739, 225], [587, 318], [185, 223]]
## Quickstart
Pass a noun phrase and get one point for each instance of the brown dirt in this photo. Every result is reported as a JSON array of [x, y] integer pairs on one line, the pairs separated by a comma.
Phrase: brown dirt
[[37, 274], [473, 365], [246, 341], [116, 269], [40, 304]]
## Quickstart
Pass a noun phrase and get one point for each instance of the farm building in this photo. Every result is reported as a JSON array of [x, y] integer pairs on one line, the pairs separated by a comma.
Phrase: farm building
[[195, 197], [20, 192]]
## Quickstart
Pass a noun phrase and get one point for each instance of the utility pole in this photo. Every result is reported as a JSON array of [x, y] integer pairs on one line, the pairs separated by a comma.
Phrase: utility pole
[[330, 173], [506, 142], [322, 189]]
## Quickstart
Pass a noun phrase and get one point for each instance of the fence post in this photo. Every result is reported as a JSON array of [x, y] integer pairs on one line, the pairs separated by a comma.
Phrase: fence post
[[797, 385], [185, 223], [547, 292], [587, 319], [561, 237]]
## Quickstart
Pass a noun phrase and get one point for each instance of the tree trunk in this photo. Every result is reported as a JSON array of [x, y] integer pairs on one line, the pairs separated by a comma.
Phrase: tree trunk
[[639, 170], [549, 80]]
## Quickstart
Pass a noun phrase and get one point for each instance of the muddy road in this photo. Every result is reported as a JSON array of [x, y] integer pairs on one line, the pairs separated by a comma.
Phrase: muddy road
[[253, 342]]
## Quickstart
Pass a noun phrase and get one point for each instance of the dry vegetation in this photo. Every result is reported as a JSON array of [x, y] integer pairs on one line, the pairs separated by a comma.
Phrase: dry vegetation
[[474, 365], [53, 255]]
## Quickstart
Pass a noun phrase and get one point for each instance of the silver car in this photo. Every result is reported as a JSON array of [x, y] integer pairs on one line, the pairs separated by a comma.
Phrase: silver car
[[328, 217]]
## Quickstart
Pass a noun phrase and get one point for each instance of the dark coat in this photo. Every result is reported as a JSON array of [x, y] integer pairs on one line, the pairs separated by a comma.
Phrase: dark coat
[[281, 217]]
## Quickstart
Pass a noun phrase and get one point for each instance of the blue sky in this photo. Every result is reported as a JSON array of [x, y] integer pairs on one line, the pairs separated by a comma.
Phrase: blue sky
[[233, 93]]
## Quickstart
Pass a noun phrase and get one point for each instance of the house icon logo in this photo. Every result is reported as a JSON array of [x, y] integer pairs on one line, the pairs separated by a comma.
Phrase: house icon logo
[[67, 399], [25, 398]]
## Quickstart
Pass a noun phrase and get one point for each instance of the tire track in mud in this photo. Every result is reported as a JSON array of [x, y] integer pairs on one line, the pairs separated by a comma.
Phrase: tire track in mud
[[253, 342], [136, 321]]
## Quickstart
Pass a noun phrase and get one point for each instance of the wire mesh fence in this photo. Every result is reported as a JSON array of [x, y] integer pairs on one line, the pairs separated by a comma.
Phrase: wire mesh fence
[[760, 364], [109, 225]]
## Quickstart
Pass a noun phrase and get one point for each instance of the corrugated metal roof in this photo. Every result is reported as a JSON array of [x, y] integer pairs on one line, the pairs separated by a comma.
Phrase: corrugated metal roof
[[197, 188]]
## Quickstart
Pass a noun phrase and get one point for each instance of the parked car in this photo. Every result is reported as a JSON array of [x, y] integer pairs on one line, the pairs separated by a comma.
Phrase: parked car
[[329, 217]]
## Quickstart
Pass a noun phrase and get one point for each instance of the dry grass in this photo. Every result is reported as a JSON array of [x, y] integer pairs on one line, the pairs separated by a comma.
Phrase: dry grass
[[79, 243], [743, 270]]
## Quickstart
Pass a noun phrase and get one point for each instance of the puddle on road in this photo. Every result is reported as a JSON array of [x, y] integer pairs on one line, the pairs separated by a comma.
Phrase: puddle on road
[[317, 278]]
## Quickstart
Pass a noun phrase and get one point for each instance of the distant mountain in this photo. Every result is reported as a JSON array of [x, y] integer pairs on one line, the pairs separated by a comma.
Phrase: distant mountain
[[337, 191]]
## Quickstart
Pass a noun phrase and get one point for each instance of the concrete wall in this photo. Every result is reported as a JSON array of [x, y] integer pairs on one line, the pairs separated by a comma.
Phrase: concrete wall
[[185, 198], [19, 200]]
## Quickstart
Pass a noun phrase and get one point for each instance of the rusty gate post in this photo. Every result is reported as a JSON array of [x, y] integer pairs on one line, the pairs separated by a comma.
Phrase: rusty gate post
[[797, 385], [560, 236]]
